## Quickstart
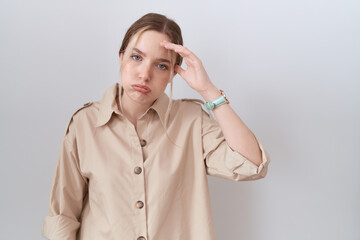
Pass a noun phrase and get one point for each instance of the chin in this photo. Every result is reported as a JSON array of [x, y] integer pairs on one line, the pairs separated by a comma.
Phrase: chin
[[141, 98]]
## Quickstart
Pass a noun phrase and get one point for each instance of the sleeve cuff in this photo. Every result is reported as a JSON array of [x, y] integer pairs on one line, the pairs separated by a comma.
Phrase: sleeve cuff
[[243, 168], [60, 228]]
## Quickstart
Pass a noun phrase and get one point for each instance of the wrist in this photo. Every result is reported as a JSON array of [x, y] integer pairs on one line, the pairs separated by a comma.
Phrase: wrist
[[210, 94], [210, 105]]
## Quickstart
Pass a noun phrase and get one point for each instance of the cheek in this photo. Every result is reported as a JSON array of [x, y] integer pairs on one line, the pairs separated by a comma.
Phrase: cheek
[[161, 74], [127, 71], [165, 81]]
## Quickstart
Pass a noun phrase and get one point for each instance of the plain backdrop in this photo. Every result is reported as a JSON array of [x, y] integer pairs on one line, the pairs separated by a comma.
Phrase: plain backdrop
[[291, 70]]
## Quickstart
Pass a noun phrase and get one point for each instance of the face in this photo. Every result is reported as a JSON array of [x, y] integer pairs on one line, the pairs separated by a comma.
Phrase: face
[[146, 73]]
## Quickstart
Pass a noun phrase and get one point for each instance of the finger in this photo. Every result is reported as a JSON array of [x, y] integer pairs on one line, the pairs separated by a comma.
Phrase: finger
[[179, 70], [170, 45], [189, 57], [183, 51]]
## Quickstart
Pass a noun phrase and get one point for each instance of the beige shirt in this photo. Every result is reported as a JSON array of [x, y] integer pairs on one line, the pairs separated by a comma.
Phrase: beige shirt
[[115, 182]]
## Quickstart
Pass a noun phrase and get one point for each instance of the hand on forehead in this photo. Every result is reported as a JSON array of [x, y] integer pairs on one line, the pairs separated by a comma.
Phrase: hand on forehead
[[148, 45]]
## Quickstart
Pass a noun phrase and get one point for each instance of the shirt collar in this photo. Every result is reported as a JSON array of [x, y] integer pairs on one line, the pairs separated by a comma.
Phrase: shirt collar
[[108, 105]]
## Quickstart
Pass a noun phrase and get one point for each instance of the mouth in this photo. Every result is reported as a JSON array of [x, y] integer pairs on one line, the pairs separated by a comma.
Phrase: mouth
[[141, 88]]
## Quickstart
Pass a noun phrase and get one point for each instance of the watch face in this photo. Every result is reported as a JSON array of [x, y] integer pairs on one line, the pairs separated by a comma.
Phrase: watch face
[[212, 105], [209, 105]]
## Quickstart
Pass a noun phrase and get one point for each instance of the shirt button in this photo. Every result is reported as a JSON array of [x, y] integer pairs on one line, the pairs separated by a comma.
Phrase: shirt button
[[143, 142], [141, 238], [139, 204], [137, 170]]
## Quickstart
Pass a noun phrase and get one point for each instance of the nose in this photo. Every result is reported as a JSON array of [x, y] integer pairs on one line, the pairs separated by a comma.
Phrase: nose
[[145, 71]]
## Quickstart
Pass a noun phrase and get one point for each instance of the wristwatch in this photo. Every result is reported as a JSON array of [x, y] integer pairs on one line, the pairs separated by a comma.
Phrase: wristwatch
[[217, 102]]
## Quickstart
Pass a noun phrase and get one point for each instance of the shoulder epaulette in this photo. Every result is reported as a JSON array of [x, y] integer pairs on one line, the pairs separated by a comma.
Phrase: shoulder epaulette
[[84, 106], [193, 100], [196, 100]]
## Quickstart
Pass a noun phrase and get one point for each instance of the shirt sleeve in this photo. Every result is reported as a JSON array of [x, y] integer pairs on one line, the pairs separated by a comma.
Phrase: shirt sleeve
[[222, 161], [68, 191]]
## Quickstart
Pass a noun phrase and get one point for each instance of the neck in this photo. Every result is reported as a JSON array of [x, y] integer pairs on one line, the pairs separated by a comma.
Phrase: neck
[[131, 109]]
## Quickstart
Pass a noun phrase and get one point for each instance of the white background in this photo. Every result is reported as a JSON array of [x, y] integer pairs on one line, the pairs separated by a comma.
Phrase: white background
[[291, 70]]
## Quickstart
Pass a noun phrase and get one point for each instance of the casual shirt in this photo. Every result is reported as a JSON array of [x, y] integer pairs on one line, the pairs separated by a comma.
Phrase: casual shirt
[[117, 182]]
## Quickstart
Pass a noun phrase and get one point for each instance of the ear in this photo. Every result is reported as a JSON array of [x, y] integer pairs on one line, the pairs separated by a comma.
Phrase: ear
[[121, 56]]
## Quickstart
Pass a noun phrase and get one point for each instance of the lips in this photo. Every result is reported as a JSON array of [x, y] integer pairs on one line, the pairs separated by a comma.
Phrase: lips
[[141, 88]]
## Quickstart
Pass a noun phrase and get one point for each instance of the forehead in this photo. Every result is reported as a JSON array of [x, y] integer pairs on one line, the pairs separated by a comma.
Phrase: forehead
[[149, 43]]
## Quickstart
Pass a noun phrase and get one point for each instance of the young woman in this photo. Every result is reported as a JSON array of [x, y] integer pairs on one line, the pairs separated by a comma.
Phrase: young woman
[[134, 165]]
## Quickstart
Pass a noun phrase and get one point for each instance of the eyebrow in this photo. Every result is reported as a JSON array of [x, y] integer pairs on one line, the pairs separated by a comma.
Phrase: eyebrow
[[142, 53]]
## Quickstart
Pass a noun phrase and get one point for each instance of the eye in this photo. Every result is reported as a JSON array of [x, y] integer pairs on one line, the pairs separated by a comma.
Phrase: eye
[[163, 66], [136, 57]]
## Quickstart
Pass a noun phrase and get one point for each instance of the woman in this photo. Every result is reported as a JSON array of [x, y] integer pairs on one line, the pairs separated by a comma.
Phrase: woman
[[134, 165]]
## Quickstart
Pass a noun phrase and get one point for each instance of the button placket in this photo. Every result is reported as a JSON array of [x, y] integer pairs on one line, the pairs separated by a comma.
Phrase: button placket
[[139, 181], [138, 198]]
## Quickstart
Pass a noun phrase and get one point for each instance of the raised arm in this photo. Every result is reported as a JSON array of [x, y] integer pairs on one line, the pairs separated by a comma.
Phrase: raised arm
[[238, 136]]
